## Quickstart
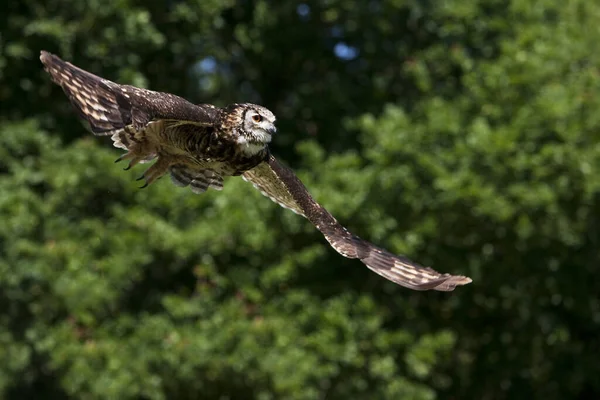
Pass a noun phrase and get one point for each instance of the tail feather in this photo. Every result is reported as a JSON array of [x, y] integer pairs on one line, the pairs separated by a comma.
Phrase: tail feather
[[198, 180]]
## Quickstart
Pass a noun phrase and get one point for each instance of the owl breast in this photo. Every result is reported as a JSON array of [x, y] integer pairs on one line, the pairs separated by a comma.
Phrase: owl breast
[[206, 147]]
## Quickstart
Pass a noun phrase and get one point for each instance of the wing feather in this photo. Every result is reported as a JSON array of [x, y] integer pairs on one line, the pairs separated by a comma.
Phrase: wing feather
[[262, 177], [281, 185], [111, 108]]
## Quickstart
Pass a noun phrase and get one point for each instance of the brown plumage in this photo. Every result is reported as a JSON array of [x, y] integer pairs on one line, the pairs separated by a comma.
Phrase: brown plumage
[[197, 144], [200, 144], [281, 185]]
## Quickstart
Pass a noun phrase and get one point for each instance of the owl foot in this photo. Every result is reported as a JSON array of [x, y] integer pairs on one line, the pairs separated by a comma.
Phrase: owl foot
[[135, 158], [157, 170]]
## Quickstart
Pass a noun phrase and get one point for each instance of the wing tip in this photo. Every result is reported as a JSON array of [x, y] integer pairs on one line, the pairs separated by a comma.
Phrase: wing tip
[[48, 58], [55, 67], [45, 56], [447, 283]]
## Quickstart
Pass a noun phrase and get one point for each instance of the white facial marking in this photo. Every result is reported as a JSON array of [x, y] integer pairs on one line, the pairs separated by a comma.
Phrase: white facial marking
[[249, 148]]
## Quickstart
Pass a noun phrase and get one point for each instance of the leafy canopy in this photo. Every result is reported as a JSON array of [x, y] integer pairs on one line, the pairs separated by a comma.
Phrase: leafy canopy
[[462, 134]]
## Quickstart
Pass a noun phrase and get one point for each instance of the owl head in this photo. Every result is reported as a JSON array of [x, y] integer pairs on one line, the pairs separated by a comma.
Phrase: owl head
[[257, 127]]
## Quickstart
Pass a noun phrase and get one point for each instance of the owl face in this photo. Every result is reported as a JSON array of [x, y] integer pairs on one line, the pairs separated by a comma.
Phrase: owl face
[[259, 124], [257, 127]]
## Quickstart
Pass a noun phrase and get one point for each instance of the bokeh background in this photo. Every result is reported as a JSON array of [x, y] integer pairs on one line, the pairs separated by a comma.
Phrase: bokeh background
[[464, 134]]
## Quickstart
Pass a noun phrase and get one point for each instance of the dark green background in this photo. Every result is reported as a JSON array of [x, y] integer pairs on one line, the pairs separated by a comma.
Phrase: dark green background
[[464, 134]]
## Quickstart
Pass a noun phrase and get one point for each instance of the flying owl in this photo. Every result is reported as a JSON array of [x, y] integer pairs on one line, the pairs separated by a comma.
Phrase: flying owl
[[199, 145]]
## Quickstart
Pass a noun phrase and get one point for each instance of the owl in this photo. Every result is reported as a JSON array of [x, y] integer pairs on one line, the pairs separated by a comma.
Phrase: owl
[[199, 145]]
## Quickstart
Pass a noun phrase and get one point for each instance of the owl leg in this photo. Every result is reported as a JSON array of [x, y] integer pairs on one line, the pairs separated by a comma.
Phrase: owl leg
[[135, 156], [158, 169]]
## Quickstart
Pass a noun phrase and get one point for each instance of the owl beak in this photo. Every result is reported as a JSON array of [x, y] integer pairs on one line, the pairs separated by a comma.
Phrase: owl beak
[[271, 130]]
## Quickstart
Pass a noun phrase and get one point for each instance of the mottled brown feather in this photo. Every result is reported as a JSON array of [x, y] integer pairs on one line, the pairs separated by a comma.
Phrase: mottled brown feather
[[197, 144], [109, 106], [280, 184]]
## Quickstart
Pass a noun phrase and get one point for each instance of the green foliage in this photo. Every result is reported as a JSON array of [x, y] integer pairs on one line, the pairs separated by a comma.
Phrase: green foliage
[[463, 134]]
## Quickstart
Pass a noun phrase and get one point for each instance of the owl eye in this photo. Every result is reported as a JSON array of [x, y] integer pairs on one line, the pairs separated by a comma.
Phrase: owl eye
[[256, 118]]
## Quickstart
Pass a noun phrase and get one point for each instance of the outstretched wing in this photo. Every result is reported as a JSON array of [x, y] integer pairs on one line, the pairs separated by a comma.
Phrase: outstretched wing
[[281, 185], [112, 109]]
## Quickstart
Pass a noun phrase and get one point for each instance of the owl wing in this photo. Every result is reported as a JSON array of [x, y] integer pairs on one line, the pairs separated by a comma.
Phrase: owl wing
[[118, 110], [281, 185]]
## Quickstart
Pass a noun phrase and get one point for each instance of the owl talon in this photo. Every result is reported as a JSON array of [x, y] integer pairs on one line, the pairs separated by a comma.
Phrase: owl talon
[[140, 178], [123, 157], [144, 185]]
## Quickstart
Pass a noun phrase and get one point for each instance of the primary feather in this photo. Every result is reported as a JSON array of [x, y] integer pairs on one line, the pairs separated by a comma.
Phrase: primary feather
[[281, 185]]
